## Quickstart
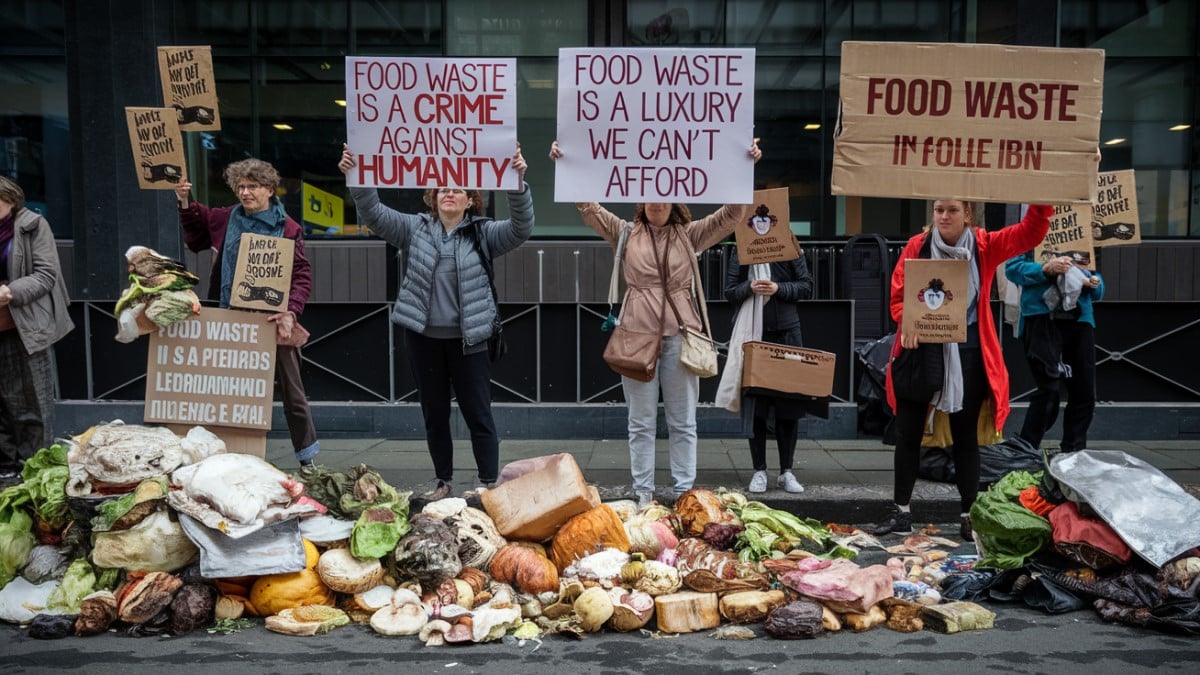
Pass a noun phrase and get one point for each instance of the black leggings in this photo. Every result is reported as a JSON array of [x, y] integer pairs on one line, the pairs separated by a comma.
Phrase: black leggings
[[964, 425], [785, 438]]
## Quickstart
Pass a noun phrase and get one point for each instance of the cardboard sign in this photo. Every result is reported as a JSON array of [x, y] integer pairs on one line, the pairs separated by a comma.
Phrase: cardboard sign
[[935, 300], [189, 86], [968, 121], [1069, 235], [324, 211], [1115, 212], [427, 123], [263, 275], [791, 370], [655, 125], [767, 235], [215, 368], [157, 147]]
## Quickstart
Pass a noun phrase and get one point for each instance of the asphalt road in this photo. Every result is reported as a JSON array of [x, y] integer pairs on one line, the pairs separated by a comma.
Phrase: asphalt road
[[1023, 640]]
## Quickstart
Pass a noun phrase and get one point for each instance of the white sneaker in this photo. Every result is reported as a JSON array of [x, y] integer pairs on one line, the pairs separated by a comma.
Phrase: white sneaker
[[788, 482], [758, 482], [644, 499]]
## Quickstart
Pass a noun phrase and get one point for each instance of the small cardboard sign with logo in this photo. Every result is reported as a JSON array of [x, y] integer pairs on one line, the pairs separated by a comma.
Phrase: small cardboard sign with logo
[[263, 274], [935, 300], [216, 368], [1115, 213], [189, 86], [1069, 235], [157, 147], [766, 236]]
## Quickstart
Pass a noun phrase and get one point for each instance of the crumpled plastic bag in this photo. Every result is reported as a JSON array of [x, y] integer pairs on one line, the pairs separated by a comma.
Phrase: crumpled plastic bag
[[20, 600], [156, 544], [237, 494]]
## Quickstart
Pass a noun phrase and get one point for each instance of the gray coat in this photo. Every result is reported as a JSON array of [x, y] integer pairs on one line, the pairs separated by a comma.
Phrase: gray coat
[[414, 235], [39, 295]]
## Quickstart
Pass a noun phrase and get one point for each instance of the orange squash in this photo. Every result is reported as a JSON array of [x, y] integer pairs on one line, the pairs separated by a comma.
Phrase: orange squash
[[525, 567], [274, 592], [593, 530]]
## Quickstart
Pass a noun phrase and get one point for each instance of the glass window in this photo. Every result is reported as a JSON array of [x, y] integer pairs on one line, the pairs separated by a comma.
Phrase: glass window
[[888, 20], [411, 27], [224, 24], [1130, 27], [291, 27], [514, 27]]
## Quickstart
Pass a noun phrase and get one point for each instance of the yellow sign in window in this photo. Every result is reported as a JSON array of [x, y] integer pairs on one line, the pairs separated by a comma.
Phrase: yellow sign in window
[[322, 210]]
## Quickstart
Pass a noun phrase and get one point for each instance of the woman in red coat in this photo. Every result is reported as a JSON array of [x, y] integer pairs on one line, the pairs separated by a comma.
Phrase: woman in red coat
[[973, 369]]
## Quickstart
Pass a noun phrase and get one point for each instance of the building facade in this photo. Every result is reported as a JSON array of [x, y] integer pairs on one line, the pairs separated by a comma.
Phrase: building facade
[[69, 68]]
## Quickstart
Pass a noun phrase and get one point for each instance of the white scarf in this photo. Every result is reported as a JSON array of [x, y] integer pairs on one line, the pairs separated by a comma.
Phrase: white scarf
[[950, 398], [746, 327]]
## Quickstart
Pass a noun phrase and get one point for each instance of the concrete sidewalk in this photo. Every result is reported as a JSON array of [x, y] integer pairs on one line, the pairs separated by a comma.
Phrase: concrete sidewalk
[[848, 481]]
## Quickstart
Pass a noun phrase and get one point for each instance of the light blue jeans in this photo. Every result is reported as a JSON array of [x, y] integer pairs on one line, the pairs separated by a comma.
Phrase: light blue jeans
[[680, 392]]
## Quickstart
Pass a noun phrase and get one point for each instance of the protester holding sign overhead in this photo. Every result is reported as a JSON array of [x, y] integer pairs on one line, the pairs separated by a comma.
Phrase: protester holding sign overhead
[[260, 212], [973, 370], [447, 308], [661, 244], [1057, 328]]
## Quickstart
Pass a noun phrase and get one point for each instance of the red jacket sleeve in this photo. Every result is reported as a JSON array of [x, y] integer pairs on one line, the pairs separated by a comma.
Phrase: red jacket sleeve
[[301, 286], [196, 234]]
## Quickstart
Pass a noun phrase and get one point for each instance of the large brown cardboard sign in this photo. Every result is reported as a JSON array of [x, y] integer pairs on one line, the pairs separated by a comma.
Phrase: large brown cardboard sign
[[935, 300], [157, 147], [791, 370], [767, 235], [215, 368], [969, 121], [189, 86], [1115, 212], [1069, 235], [263, 275]]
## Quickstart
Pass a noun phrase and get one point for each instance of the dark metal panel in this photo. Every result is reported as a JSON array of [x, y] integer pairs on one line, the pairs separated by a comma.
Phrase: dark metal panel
[[1147, 280], [341, 274]]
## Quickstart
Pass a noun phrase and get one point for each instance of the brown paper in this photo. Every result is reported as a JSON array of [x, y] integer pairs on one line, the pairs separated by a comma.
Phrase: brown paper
[[968, 121], [767, 235], [215, 368], [1115, 211], [935, 300], [189, 86], [263, 274], [1070, 234], [157, 147]]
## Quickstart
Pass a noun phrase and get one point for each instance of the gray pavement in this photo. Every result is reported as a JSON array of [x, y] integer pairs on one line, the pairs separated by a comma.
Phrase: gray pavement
[[845, 480]]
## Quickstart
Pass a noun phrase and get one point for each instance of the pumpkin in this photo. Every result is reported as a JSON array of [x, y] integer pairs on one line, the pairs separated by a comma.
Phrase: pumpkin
[[526, 568], [274, 592], [593, 530]]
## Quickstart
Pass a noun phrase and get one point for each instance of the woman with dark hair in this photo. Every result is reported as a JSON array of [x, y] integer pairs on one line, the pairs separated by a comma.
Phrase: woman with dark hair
[[660, 235], [258, 211], [33, 316], [973, 370], [447, 309]]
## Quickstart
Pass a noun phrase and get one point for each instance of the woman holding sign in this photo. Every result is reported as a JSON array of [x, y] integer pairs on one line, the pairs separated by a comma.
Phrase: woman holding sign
[[447, 308], [660, 245], [973, 370], [259, 211]]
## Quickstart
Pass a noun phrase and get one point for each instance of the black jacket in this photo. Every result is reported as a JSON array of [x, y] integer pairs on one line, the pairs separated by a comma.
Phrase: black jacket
[[795, 284]]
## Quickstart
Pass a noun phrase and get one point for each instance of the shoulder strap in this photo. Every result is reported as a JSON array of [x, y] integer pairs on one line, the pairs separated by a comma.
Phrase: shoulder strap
[[615, 279], [698, 285]]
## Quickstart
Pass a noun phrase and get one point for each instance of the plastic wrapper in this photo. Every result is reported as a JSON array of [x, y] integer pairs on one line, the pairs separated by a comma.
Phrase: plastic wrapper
[[271, 550], [1150, 512]]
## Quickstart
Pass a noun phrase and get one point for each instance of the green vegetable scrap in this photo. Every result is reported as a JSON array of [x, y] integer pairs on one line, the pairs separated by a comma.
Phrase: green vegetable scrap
[[43, 487], [16, 542], [769, 529], [78, 583], [227, 626]]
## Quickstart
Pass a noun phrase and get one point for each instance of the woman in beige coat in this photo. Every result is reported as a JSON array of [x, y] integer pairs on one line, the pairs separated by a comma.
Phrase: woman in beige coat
[[33, 316], [669, 228]]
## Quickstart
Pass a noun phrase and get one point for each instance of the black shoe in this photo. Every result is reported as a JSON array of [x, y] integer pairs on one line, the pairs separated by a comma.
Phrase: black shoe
[[10, 474], [897, 521], [964, 528]]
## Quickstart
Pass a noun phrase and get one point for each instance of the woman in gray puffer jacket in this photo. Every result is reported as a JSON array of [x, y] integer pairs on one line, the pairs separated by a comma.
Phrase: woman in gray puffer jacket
[[447, 309]]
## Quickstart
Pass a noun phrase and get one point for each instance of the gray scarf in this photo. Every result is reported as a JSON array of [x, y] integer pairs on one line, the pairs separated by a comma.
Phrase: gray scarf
[[950, 399]]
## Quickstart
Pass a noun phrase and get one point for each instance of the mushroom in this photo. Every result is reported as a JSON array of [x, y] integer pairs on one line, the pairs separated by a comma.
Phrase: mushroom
[[433, 634]]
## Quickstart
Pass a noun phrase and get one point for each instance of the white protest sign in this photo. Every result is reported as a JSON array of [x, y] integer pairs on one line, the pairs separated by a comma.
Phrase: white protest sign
[[426, 123], [655, 125]]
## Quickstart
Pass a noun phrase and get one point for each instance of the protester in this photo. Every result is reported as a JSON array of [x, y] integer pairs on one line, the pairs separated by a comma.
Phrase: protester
[[787, 283], [447, 309], [974, 369], [663, 227], [33, 316], [260, 212], [1057, 328]]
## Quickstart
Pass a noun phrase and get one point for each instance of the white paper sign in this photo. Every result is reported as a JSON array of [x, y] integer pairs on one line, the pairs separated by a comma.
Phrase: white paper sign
[[425, 123], [655, 125]]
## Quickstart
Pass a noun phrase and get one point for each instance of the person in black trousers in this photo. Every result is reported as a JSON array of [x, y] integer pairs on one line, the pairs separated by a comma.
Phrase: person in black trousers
[[788, 283]]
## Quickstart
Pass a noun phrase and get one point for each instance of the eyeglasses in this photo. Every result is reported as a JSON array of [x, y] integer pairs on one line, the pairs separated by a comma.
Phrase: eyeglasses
[[451, 191], [249, 186]]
